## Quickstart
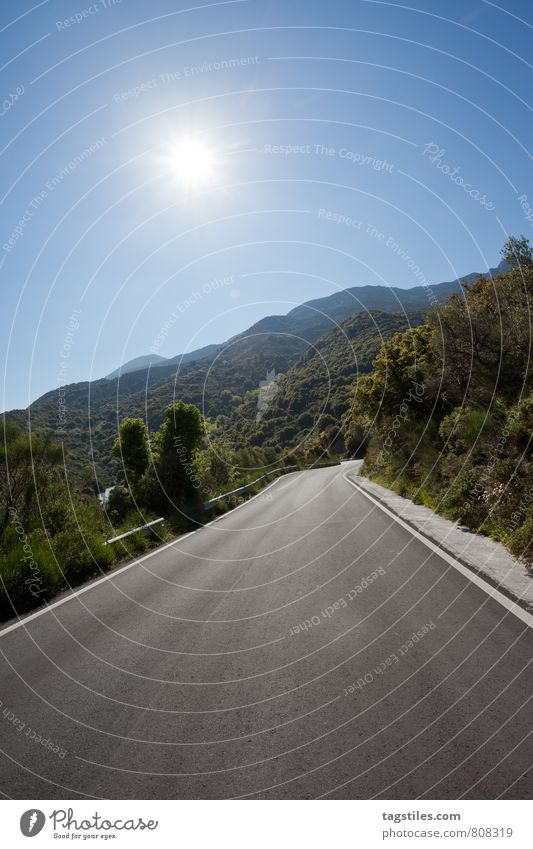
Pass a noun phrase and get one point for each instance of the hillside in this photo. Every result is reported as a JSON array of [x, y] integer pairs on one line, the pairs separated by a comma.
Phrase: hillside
[[151, 361], [217, 378], [92, 411], [138, 364], [446, 415], [315, 317], [314, 396]]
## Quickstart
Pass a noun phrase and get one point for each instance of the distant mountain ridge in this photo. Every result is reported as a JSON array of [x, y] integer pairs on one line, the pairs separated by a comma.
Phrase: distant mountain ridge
[[320, 312], [137, 364], [220, 378], [155, 361]]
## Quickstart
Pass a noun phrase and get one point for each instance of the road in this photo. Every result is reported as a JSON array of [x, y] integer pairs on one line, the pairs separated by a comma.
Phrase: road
[[187, 675]]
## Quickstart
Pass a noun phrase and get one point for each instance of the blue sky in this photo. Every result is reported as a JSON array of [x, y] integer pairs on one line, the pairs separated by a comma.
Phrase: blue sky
[[347, 143]]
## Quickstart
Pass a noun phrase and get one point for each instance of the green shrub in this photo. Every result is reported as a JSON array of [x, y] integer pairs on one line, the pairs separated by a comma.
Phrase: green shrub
[[120, 503], [28, 571], [137, 542], [81, 554], [521, 542]]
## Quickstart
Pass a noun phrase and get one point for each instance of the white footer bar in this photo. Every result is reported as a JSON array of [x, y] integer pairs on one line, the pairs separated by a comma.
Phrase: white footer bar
[[280, 824]]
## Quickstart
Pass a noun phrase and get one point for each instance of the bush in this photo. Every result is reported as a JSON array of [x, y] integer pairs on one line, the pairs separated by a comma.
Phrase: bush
[[28, 571], [120, 503], [521, 542], [82, 555], [137, 542], [356, 439]]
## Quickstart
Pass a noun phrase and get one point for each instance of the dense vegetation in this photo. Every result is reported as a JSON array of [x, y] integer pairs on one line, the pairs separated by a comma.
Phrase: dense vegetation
[[50, 536], [446, 416], [52, 533], [310, 402]]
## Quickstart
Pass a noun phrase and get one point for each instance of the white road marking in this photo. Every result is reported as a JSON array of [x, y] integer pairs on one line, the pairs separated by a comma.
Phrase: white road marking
[[22, 622], [487, 588]]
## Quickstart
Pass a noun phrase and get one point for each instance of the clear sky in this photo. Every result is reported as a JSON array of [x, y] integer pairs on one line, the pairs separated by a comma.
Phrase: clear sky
[[196, 166]]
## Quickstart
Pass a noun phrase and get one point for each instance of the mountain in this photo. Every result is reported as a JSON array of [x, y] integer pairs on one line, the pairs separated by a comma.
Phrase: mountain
[[217, 377], [316, 316], [138, 364], [317, 391], [156, 361], [387, 298], [199, 354]]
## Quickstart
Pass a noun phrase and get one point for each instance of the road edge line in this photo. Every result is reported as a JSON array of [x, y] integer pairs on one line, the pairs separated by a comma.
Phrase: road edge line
[[20, 623], [511, 603]]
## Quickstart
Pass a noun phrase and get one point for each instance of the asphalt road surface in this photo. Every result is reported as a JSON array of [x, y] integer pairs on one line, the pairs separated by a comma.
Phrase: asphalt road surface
[[189, 675]]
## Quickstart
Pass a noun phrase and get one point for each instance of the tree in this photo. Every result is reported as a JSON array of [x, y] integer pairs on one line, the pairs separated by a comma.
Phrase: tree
[[133, 448], [356, 438], [517, 252], [400, 371], [178, 441], [29, 465], [119, 504], [216, 467], [481, 342]]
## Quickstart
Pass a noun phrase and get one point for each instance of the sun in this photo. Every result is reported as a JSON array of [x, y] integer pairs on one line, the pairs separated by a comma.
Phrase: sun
[[192, 162]]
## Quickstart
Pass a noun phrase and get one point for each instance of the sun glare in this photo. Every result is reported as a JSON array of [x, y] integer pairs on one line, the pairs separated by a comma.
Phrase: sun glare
[[192, 162]]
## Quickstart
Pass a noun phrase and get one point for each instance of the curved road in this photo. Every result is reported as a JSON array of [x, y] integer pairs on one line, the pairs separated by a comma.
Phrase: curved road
[[271, 655]]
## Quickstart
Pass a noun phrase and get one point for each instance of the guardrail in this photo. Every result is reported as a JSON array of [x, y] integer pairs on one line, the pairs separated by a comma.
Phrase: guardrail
[[247, 487], [212, 501], [134, 531]]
